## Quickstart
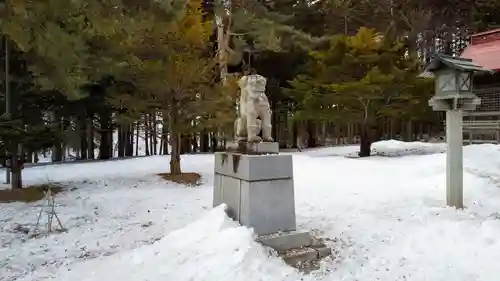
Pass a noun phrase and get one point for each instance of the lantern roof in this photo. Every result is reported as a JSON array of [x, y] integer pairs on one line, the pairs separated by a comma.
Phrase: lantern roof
[[440, 61]]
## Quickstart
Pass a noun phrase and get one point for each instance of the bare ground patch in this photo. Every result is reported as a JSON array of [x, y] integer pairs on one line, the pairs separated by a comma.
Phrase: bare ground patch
[[189, 179], [28, 194]]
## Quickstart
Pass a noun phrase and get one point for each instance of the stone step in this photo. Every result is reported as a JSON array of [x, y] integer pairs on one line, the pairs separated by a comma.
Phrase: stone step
[[287, 240], [323, 252], [306, 259], [296, 257], [297, 248]]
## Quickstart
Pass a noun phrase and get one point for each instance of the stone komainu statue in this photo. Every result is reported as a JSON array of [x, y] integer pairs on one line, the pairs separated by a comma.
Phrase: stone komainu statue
[[253, 103]]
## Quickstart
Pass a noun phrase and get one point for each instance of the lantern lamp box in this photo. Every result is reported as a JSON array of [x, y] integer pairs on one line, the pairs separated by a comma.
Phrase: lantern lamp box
[[453, 83]]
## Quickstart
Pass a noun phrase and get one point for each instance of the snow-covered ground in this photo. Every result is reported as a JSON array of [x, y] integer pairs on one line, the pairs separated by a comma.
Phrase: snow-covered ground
[[385, 217]]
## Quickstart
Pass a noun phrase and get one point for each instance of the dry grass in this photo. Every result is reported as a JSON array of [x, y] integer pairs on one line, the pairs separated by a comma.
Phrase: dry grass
[[190, 179], [28, 194]]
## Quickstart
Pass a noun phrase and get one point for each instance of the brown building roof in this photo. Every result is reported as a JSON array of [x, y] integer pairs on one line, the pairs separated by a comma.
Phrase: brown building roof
[[484, 49]]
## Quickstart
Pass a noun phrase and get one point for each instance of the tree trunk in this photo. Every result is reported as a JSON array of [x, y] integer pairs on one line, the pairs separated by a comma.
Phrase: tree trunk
[[90, 132], [283, 133], [175, 158], [137, 138], [214, 142], [106, 145], [164, 134], [311, 134], [65, 150], [275, 122], [146, 134], [295, 134], [185, 144], [409, 131], [3, 159], [323, 133], [194, 141], [204, 141], [223, 37], [29, 157], [391, 129], [155, 134], [151, 135], [83, 137], [17, 167], [365, 142], [57, 153], [121, 142], [350, 137], [129, 137]]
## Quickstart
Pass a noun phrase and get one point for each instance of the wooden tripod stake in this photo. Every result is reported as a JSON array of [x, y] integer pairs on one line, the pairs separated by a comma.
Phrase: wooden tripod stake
[[49, 208]]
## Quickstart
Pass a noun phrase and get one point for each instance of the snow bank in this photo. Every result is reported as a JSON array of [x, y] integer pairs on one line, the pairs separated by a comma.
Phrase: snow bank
[[212, 248], [387, 148], [394, 148]]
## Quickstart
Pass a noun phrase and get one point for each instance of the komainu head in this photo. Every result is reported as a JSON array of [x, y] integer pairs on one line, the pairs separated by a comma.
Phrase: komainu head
[[254, 83]]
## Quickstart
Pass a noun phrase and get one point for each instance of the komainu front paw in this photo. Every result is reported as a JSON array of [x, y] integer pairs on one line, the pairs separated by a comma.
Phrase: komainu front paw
[[254, 139]]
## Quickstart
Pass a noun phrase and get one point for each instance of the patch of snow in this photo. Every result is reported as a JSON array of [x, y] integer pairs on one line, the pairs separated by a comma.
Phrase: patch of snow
[[394, 148], [219, 248]]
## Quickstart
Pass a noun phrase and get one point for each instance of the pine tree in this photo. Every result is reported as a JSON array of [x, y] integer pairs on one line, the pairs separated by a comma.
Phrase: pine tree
[[362, 78], [486, 15], [166, 60]]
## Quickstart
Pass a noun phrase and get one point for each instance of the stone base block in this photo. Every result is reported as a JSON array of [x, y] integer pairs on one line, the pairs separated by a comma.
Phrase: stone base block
[[258, 190], [264, 147], [254, 167], [266, 206], [254, 147]]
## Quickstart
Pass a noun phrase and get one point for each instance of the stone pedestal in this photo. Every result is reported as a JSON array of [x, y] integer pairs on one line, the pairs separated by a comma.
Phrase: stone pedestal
[[256, 184], [258, 190]]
